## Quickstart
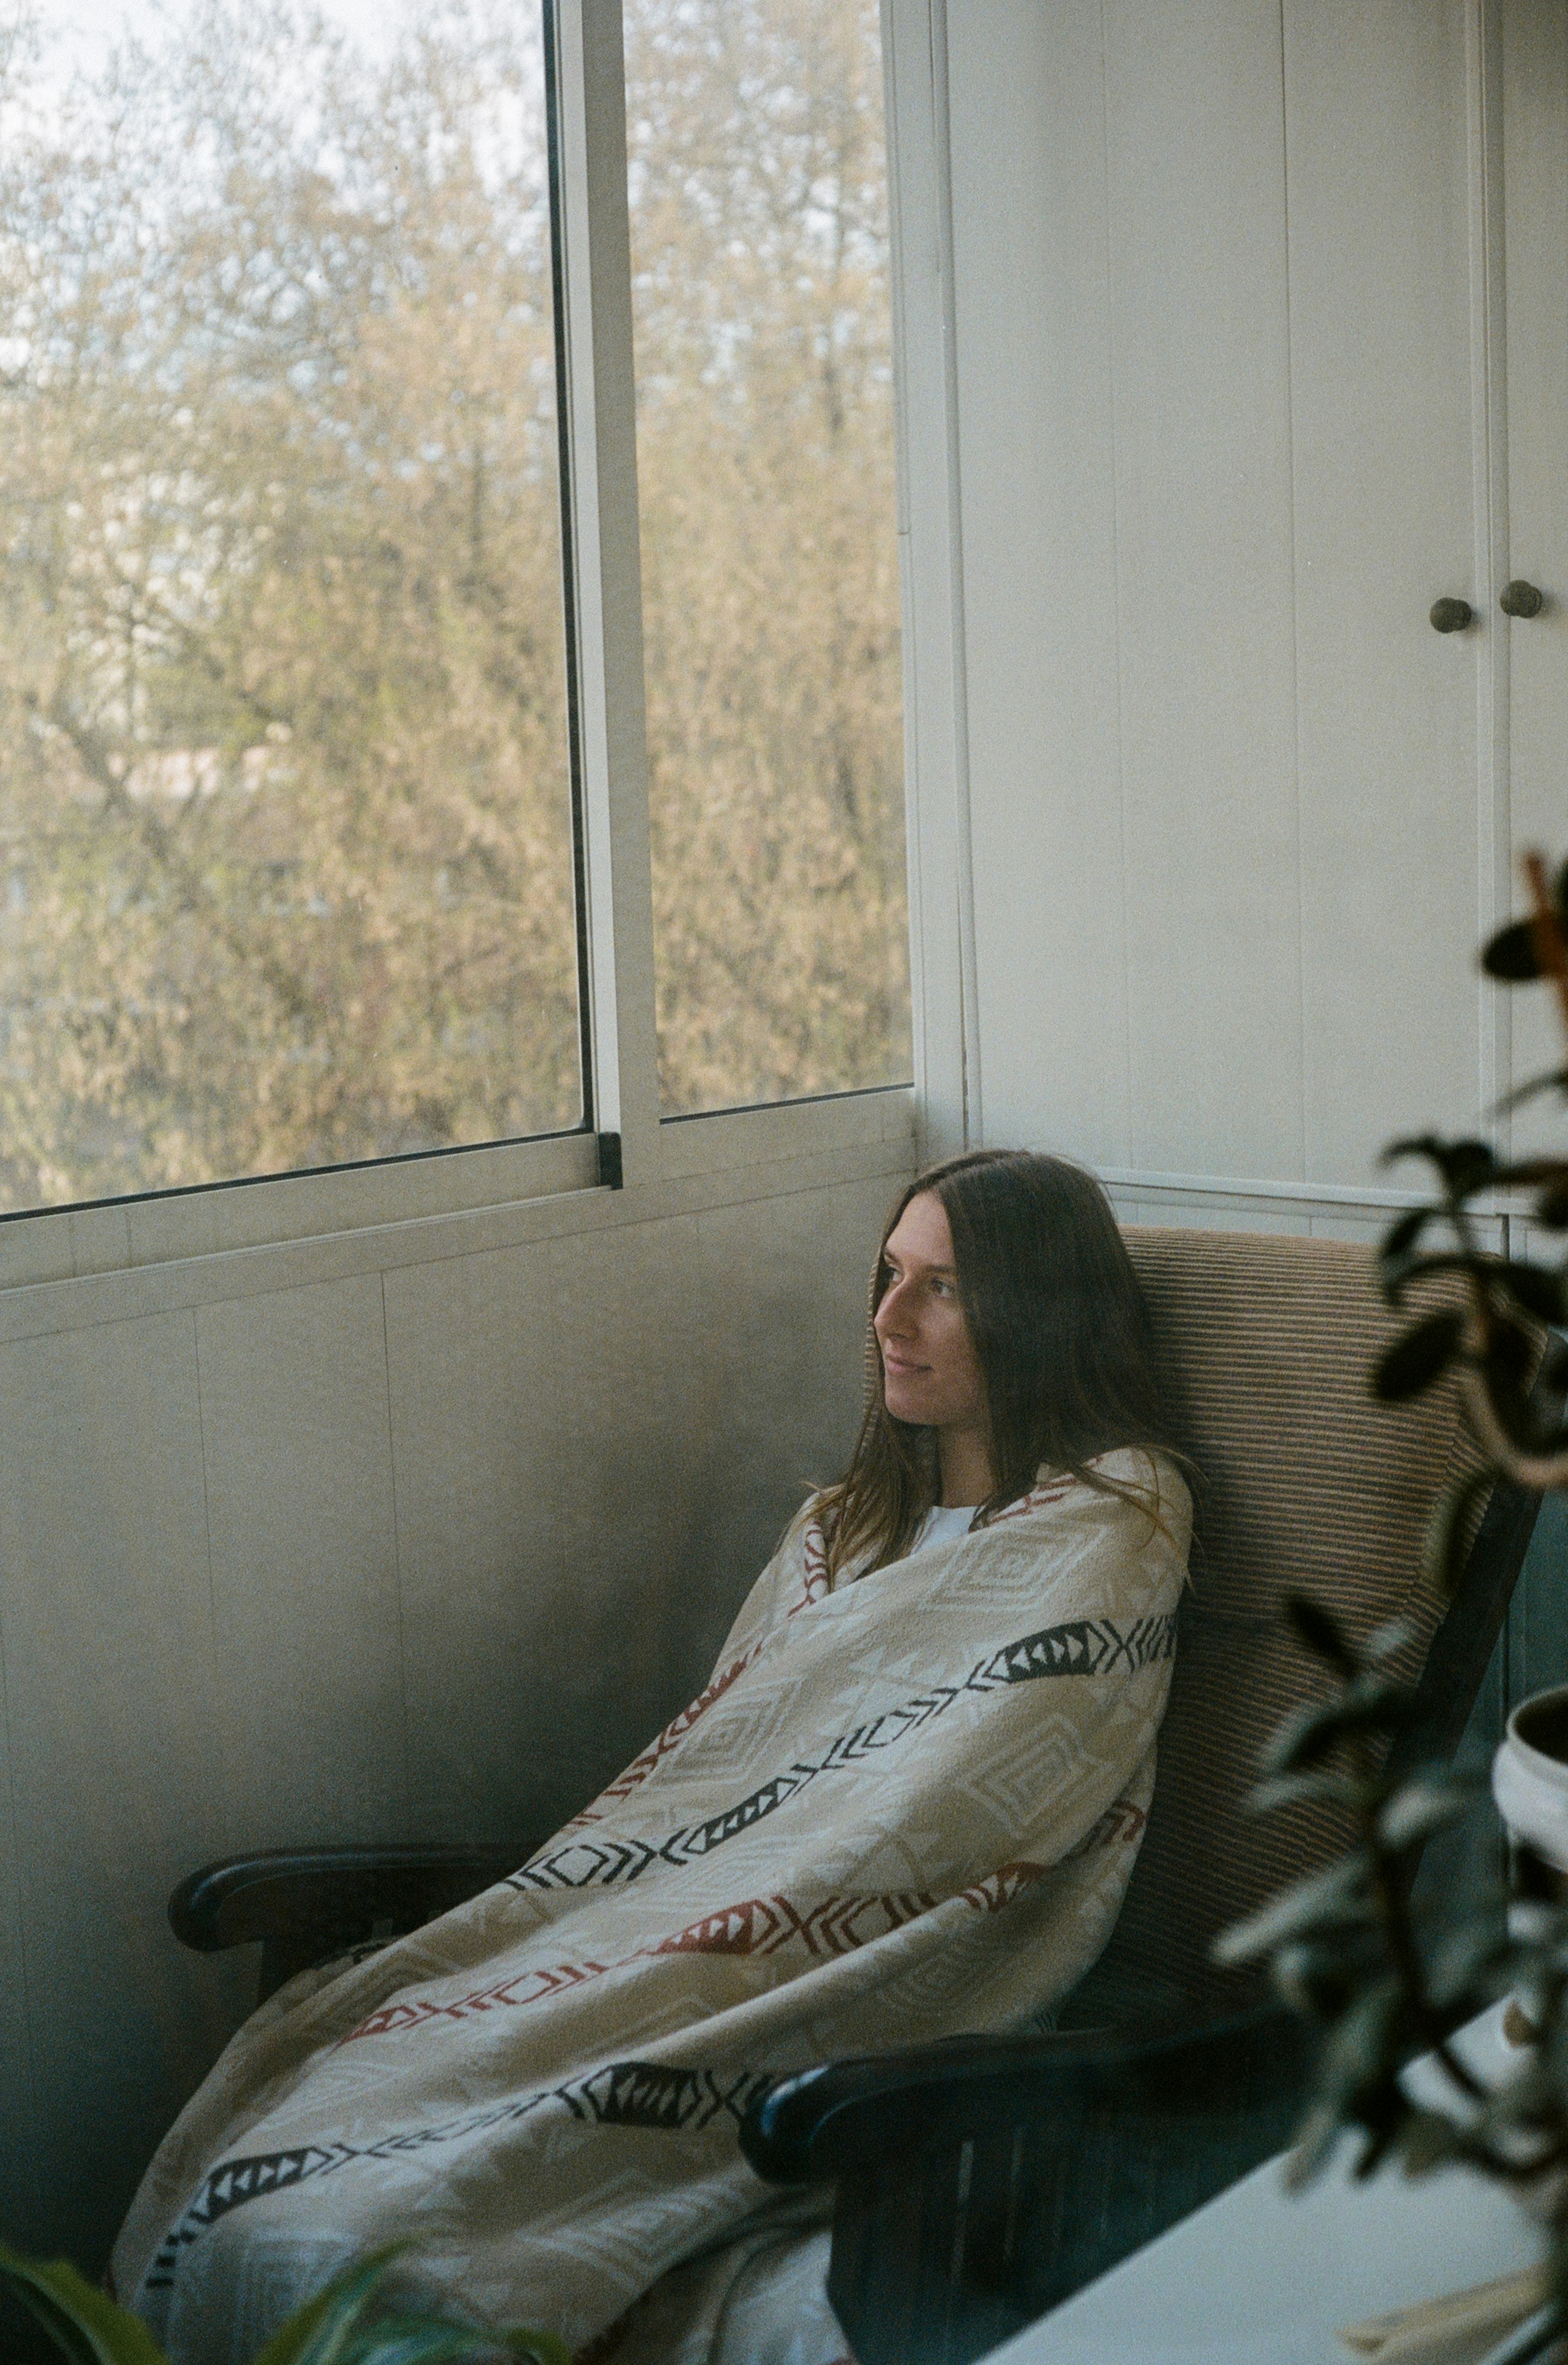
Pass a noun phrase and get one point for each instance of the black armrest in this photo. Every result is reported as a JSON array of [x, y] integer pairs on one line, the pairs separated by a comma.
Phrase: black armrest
[[983, 2181], [851, 2114], [307, 1904]]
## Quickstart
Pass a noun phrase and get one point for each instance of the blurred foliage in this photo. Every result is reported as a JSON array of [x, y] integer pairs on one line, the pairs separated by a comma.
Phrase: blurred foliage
[[1344, 1947], [349, 2322], [1345, 1950], [286, 861], [1495, 1339]]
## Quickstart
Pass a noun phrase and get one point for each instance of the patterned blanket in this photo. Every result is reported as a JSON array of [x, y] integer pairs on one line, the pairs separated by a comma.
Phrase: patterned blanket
[[901, 1809]]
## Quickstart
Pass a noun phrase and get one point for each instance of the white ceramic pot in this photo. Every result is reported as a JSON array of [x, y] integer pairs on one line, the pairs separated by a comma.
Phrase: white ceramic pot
[[1529, 1777]]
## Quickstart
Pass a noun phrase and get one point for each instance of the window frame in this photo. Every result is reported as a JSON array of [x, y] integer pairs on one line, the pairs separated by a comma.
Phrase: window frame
[[627, 1151]]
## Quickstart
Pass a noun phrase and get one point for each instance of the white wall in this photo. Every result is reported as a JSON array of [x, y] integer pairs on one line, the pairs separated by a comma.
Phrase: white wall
[[1235, 404], [421, 1531]]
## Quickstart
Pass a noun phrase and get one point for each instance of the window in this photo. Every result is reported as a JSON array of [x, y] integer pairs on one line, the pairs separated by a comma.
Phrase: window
[[770, 591], [296, 848], [283, 793]]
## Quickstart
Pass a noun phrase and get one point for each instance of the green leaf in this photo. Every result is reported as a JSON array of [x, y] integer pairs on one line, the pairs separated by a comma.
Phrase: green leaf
[[321, 2332], [1315, 1788], [1551, 1210], [1511, 955], [1536, 1288], [1419, 1357], [1429, 2141], [1321, 1633], [1447, 1545], [1334, 1900], [1404, 1231], [86, 2324], [1372, 1704], [1417, 1810], [1555, 1079], [541, 2347]]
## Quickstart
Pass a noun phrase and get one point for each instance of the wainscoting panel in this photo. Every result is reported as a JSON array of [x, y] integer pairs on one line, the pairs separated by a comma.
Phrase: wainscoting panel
[[293, 1413], [107, 1627], [595, 1456]]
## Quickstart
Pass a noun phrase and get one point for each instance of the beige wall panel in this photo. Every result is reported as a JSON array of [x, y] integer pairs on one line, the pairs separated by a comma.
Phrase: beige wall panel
[[1031, 274], [1381, 394], [293, 1410], [19, 2163], [1535, 145], [598, 1444], [106, 1615], [1202, 426]]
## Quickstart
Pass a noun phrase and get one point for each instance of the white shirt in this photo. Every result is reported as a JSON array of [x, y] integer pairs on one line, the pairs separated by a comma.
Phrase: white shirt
[[942, 1524]]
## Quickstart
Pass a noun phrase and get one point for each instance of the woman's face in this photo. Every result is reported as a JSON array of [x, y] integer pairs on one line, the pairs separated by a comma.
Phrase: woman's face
[[930, 1372]]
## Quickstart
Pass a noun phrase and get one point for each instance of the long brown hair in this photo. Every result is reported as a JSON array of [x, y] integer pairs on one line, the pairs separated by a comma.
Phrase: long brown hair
[[1059, 1329]]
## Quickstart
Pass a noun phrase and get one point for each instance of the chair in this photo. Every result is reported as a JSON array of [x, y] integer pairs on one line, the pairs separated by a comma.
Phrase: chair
[[980, 2182]]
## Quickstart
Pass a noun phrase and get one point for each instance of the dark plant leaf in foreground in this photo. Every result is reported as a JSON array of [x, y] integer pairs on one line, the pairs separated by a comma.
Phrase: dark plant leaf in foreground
[[1334, 1899], [84, 2323], [1465, 1165], [1511, 955], [1448, 1535], [1417, 1358], [1404, 1231], [1370, 1706], [1554, 1079], [1551, 1209], [1537, 1289], [1312, 1625]]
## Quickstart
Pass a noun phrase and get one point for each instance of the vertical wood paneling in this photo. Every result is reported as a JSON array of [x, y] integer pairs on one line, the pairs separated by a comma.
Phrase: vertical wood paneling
[[18, 2103], [106, 1614], [1381, 395], [1036, 458], [595, 1453], [293, 1413], [1201, 422], [1534, 147]]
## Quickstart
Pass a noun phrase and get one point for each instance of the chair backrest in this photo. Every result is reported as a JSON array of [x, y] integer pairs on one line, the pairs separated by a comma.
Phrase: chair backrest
[[1307, 1483]]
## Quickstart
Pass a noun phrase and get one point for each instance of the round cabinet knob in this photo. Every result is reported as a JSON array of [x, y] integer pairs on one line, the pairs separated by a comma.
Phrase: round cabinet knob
[[1520, 598], [1451, 615]]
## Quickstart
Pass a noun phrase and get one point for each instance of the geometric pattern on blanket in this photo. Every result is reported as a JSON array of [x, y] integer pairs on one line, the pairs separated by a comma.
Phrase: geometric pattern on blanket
[[1082, 1646], [883, 1821], [627, 2094]]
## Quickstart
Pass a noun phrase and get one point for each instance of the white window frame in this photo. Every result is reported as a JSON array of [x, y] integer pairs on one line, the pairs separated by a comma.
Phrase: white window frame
[[498, 1191]]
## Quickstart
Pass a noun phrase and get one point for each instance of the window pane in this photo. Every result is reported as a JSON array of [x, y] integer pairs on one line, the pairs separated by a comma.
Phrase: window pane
[[770, 588], [286, 850]]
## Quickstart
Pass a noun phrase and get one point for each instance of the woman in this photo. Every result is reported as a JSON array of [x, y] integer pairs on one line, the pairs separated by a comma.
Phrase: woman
[[906, 1805]]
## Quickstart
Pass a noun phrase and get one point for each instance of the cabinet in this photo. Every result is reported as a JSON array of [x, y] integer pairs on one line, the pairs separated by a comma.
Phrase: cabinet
[[1261, 330]]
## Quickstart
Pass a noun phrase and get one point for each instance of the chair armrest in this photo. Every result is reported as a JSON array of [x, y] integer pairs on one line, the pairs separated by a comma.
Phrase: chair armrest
[[307, 1904], [852, 2114]]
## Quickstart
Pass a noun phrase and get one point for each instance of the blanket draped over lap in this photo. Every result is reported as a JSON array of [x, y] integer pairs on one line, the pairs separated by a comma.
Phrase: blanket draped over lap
[[903, 1808]]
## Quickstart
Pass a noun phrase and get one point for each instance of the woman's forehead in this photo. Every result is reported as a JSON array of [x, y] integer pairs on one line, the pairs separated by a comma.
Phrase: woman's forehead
[[922, 1235]]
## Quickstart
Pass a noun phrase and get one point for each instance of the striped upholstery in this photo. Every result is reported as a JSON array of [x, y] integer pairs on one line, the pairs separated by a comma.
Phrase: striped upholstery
[[1307, 1483]]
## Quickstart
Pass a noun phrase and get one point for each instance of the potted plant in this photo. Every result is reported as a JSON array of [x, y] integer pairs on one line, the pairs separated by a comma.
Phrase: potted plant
[[348, 2323], [1346, 1948]]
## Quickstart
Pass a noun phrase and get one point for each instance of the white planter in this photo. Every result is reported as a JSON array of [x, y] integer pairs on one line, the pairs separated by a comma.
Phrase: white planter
[[1529, 1775]]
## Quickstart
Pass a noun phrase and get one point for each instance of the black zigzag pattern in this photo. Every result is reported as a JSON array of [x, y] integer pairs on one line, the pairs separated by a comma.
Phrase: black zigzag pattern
[[1083, 1646], [646, 2094], [627, 2094]]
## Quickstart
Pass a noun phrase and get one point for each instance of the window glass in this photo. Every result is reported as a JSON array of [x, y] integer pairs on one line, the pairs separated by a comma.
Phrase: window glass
[[765, 446], [287, 866]]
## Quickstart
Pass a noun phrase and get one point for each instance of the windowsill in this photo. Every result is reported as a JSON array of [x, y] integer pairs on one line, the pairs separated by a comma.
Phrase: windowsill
[[67, 1269]]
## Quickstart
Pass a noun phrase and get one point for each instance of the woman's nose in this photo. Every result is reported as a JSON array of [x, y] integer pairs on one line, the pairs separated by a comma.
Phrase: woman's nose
[[893, 1312]]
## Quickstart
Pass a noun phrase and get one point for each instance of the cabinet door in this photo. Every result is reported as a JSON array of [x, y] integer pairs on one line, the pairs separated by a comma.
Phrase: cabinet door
[[1219, 456], [1535, 153]]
